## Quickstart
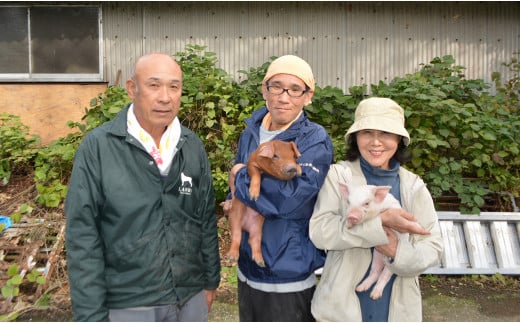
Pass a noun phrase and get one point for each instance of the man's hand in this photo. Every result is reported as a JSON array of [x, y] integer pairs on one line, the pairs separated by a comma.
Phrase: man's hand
[[402, 222], [226, 206], [236, 168], [210, 297]]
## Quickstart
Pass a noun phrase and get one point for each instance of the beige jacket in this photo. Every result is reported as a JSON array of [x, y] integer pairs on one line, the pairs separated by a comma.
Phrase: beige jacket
[[348, 250]]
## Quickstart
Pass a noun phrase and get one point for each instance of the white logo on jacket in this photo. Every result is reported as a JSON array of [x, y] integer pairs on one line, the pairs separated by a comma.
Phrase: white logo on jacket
[[186, 184]]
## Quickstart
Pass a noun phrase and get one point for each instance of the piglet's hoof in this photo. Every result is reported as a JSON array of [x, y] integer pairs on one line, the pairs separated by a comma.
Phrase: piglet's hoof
[[233, 260], [260, 263], [375, 295]]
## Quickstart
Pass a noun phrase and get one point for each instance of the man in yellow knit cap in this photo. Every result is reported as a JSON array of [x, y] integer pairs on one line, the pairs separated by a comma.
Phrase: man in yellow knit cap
[[283, 289]]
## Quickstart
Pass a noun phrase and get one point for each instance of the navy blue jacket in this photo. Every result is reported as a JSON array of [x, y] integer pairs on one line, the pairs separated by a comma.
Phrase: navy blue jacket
[[287, 206]]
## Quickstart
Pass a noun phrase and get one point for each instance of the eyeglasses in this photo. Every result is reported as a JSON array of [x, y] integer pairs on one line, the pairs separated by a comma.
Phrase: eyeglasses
[[278, 90]]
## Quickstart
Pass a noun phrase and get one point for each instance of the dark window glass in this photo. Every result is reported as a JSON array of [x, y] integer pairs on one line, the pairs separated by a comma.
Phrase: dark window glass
[[49, 42], [14, 44], [64, 40]]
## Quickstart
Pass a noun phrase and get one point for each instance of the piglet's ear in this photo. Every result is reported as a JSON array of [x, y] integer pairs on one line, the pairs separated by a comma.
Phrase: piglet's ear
[[380, 192], [267, 150], [295, 149], [343, 189]]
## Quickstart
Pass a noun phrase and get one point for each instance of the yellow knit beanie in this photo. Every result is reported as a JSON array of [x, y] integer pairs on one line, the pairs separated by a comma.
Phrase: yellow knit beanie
[[293, 65]]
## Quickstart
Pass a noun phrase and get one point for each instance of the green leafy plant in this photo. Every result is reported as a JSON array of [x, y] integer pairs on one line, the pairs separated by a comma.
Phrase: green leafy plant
[[463, 141], [508, 91], [431, 278], [36, 277], [15, 279], [334, 110], [24, 209], [229, 276], [214, 106], [53, 164], [103, 108], [17, 147], [12, 285]]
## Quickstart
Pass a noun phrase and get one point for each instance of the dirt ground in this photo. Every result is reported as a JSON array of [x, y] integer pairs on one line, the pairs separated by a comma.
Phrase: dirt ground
[[445, 298], [471, 299]]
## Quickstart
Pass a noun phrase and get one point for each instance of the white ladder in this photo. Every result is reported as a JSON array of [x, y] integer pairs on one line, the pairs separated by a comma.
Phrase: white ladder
[[488, 243]]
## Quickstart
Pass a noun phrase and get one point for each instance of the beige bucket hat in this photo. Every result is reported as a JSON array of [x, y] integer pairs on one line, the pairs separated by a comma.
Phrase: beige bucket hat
[[293, 65], [379, 114]]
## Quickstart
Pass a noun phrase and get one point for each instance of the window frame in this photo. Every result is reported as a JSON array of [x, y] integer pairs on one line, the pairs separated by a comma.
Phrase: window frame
[[57, 77]]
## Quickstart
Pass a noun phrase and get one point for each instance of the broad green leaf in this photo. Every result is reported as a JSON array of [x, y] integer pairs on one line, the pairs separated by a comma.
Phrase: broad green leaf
[[478, 200], [489, 136], [12, 270], [476, 162]]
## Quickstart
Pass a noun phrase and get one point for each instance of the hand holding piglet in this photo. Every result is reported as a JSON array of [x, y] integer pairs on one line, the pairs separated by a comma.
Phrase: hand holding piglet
[[401, 221]]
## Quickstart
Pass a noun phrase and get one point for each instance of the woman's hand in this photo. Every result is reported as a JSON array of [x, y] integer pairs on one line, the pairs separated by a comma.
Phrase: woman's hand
[[390, 249], [402, 221]]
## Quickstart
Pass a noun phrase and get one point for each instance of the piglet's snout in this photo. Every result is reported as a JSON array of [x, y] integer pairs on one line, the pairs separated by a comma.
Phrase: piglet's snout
[[292, 170]]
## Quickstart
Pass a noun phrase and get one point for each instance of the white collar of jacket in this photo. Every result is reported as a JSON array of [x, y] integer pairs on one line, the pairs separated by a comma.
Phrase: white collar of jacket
[[163, 155]]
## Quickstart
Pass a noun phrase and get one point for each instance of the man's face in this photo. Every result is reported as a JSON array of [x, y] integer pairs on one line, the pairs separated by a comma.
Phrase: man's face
[[283, 107], [156, 92]]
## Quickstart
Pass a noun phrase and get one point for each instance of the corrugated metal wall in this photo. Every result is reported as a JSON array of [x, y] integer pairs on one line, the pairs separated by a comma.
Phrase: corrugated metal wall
[[346, 43]]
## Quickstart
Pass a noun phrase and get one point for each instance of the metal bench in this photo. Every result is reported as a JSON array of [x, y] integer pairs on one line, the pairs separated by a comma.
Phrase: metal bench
[[488, 243]]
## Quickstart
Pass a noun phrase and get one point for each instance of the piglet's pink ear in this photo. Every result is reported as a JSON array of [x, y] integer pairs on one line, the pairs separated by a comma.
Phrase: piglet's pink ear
[[267, 150], [380, 192], [343, 188]]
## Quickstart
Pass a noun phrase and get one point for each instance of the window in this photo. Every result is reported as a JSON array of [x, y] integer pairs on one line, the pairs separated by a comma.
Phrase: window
[[50, 43]]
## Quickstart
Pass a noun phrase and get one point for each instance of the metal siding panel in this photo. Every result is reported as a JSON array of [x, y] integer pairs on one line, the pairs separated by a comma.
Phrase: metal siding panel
[[421, 31], [346, 43], [122, 30]]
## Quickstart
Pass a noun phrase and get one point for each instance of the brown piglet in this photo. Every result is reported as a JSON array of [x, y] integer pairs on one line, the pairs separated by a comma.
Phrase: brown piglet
[[276, 158]]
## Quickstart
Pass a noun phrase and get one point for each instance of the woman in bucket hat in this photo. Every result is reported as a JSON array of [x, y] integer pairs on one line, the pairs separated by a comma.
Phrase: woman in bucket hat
[[377, 147]]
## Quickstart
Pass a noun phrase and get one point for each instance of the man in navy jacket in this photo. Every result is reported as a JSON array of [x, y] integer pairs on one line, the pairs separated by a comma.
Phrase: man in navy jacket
[[282, 291]]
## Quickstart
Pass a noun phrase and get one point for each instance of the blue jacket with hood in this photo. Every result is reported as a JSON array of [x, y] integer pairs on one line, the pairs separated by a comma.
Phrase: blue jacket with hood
[[287, 206]]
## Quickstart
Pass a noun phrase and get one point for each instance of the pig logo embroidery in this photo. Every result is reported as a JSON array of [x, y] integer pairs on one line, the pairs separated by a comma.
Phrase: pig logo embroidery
[[186, 185]]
